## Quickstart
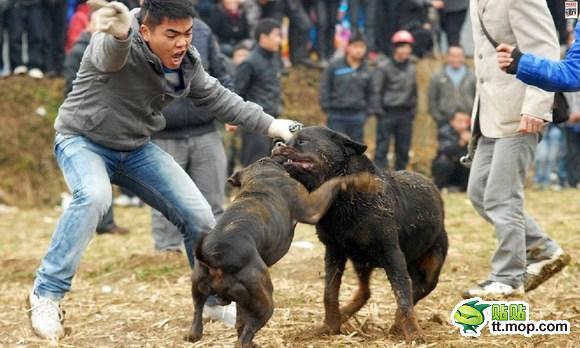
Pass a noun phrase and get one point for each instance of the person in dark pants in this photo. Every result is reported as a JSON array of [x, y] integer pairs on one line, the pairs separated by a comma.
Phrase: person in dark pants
[[345, 90], [452, 16], [413, 16], [72, 64], [394, 101], [4, 5], [26, 17], [557, 9], [326, 12], [298, 30], [572, 129], [55, 26], [453, 139], [257, 79], [372, 17]]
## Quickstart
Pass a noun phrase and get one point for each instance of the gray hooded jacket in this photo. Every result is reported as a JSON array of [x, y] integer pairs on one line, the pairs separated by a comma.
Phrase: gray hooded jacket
[[120, 90]]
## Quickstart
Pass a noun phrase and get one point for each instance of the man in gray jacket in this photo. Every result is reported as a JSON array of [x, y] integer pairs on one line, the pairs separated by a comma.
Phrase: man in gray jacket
[[136, 64], [451, 90], [394, 101]]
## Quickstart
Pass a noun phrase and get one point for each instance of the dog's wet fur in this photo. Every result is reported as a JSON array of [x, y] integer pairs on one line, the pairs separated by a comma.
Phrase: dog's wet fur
[[398, 229], [253, 234]]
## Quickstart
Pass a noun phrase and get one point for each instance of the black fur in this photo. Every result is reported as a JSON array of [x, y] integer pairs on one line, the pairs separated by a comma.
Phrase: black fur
[[400, 229]]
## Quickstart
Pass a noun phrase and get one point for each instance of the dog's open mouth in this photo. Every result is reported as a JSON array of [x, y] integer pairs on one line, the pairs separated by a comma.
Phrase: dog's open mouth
[[289, 158], [302, 164]]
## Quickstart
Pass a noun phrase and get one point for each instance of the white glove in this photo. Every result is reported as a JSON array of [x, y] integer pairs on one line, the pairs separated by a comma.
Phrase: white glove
[[284, 129], [112, 18]]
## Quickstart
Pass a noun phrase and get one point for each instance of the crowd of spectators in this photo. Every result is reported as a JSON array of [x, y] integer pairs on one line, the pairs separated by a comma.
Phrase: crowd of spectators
[[367, 50]]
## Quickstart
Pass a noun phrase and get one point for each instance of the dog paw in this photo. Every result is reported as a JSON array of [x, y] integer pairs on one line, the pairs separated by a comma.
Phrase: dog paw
[[395, 330], [192, 337], [325, 330], [416, 337]]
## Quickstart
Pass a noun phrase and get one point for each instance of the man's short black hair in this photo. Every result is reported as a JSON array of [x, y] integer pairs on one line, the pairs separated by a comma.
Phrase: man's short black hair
[[357, 36], [153, 11], [266, 26]]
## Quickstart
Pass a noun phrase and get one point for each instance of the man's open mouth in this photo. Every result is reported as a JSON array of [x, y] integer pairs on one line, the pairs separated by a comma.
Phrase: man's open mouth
[[177, 57]]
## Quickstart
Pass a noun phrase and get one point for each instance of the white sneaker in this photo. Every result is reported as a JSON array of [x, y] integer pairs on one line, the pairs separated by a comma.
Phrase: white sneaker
[[490, 289], [45, 317], [225, 314], [20, 70], [123, 201], [542, 270], [36, 73]]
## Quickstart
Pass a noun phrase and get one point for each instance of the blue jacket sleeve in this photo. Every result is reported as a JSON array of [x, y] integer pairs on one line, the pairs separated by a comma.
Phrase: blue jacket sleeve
[[554, 76]]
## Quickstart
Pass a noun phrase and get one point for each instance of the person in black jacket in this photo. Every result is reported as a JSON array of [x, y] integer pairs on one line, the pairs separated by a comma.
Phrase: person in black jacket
[[229, 23], [191, 137], [453, 140], [345, 90], [257, 79], [394, 101]]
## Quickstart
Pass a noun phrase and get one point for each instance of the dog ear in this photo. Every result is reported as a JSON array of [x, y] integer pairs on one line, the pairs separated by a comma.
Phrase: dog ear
[[236, 179], [352, 147]]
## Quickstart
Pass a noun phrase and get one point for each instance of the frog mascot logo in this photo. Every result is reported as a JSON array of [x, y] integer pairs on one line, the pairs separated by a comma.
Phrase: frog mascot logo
[[469, 317]]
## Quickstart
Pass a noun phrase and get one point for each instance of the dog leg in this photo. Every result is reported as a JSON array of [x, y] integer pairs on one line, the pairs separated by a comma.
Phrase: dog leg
[[396, 269], [310, 207], [200, 279], [255, 303], [425, 271], [362, 294], [334, 262]]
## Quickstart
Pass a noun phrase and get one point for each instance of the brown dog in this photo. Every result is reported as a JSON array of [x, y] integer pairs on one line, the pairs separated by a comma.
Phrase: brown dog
[[252, 235]]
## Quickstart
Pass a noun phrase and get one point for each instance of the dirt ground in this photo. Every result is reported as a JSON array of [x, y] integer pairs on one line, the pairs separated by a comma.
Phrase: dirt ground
[[125, 295]]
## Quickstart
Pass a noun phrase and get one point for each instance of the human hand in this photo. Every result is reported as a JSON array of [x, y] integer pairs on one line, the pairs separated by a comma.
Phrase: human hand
[[508, 58], [438, 4], [464, 138], [230, 128], [284, 129], [574, 117], [112, 18], [530, 124]]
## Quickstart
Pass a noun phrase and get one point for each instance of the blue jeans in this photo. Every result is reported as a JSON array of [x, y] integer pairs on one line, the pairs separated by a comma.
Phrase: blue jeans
[[351, 124], [89, 169], [548, 155]]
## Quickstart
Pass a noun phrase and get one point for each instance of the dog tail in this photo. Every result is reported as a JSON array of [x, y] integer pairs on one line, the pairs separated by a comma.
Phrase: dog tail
[[199, 250], [205, 260]]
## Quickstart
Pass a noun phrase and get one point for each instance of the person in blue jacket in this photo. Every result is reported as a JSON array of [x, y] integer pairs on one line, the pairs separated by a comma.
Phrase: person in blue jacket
[[553, 76]]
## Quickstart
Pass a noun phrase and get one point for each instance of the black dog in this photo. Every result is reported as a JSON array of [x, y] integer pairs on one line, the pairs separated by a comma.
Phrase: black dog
[[252, 235], [399, 229]]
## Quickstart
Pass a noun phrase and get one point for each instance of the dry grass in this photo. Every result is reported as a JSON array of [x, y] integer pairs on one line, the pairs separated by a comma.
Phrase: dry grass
[[149, 305]]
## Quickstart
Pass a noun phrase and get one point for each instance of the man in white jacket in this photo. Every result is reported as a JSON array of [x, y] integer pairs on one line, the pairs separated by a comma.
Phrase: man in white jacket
[[509, 116]]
